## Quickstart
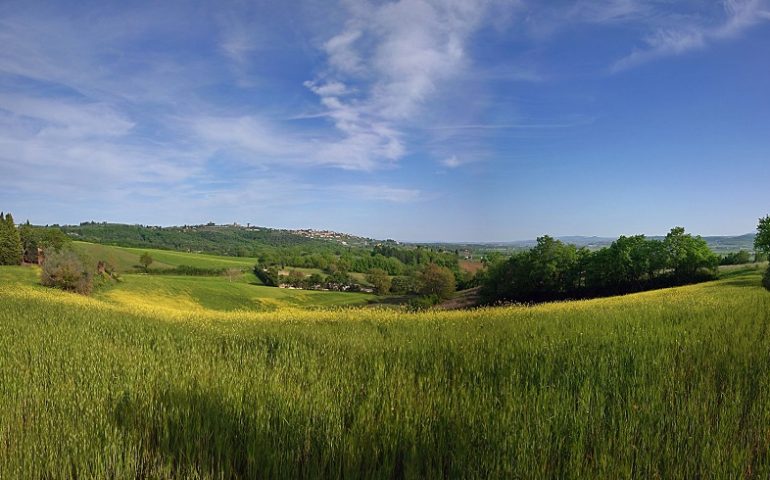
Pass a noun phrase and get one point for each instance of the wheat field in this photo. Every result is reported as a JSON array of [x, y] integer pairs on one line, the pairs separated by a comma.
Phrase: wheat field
[[671, 383]]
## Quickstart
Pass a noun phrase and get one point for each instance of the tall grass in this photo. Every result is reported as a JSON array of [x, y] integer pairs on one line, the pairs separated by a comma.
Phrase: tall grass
[[673, 383]]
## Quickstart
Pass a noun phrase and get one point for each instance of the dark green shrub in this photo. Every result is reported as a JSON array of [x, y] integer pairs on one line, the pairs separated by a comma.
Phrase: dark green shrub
[[766, 279], [67, 271]]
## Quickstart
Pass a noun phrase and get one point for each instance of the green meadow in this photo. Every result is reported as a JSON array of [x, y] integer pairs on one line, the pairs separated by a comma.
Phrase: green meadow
[[670, 383], [219, 293], [126, 259]]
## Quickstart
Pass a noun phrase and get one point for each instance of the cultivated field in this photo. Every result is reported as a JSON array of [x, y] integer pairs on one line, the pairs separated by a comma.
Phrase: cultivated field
[[190, 293], [127, 259], [670, 383]]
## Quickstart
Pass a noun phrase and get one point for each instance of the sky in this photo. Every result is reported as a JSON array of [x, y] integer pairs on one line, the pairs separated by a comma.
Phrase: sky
[[418, 120]]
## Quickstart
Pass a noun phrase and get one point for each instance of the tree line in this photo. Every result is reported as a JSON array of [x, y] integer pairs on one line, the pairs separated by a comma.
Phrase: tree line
[[553, 270], [27, 243], [432, 282]]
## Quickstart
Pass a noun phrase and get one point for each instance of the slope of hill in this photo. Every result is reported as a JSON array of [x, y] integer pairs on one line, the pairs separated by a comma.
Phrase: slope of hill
[[126, 259], [663, 384], [233, 240], [194, 294], [200, 294]]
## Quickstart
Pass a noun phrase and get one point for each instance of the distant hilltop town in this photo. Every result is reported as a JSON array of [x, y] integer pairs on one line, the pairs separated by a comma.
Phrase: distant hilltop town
[[342, 238]]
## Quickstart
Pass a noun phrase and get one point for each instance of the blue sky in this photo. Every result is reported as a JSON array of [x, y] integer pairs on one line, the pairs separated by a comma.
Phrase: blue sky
[[457, 120]]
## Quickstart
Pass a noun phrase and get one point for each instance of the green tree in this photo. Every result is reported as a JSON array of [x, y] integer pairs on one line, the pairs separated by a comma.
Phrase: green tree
[[736, 258], [762, 240], [37, 238], [296, 278], [315, 281], [29, 242], [402, 285], [380, 280], [552, 267], [337, 280], [53, 238], [146, 260], [11, 252], [436, 281], [762, 245], [688, 254]]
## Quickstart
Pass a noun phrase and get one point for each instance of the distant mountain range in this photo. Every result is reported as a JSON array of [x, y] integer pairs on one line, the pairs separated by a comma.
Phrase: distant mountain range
[[719, 244]]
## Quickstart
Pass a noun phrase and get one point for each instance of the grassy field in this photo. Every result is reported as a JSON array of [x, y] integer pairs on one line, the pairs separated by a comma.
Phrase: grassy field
[[217, 293], [127, 259], [670, 383]]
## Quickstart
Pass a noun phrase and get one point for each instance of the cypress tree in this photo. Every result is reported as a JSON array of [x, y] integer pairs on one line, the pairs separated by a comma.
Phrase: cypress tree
[[29, 242], [10, 242], [4, 239]]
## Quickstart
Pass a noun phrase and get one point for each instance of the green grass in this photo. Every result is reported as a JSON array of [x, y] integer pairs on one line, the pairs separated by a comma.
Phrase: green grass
[[217, 293], [126, 259], [666, 384]]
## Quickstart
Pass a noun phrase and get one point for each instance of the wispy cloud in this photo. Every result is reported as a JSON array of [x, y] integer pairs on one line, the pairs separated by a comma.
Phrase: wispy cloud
[[692, 33], [511, 126], [66, 119], [172, 111], [399, 54], [382, 193], [451, 162]]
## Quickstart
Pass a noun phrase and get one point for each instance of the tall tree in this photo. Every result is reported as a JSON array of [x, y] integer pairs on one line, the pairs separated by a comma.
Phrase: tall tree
[[380, 280], [436, 280], [10, 242], [146, 260], [762, 240], [29, 241], [688, 254], [762, 245]]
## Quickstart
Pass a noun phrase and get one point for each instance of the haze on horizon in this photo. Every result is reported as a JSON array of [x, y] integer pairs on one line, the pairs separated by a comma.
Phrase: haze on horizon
[[458, 120]]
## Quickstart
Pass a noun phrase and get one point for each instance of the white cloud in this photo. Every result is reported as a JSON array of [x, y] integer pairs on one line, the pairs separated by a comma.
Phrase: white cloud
[[685, 36], [382, 193], [662, 43], [80, 149], [342, 53], [399, 53], [328, 89], [451, 162], [248, 133], [56, 117], [259, 141]]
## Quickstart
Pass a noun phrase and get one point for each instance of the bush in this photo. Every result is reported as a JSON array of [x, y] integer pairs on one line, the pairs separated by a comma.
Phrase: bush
[[67, 271], [423, 303], [766, 279], [268, 276], [435, 280], [402, 285]]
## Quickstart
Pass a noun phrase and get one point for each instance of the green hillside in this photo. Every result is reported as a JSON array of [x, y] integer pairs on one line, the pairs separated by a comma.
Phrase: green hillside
[[662, 384], [126, 259], [218, 293], [219, 239]]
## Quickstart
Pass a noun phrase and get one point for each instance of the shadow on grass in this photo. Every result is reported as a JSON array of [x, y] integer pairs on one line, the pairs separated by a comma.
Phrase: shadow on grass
[[750, 277], [191, 433], [188, 432], [195, 434]]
